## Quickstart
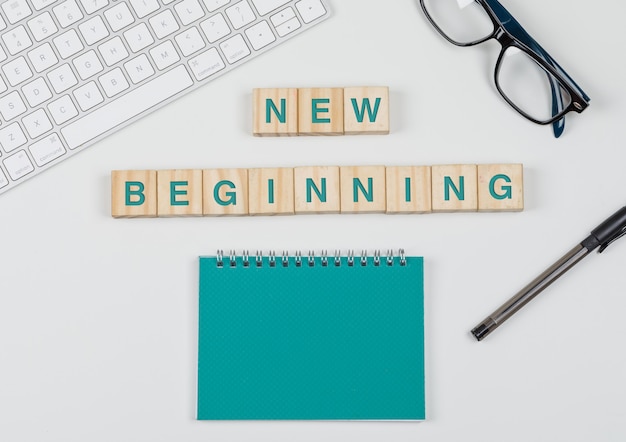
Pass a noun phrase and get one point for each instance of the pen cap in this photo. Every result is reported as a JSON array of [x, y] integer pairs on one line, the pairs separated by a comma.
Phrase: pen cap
[[612, 227]]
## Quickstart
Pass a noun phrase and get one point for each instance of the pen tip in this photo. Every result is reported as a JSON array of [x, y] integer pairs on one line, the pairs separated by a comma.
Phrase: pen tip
[[483, 329]]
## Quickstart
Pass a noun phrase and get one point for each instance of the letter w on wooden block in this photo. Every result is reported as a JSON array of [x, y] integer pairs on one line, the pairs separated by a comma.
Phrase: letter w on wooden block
[[270, 191], [363, 189], [317, 189], [133, 193], [275, 112], [500, 188], [366, 110], [455, 188], [320, 111], [179, 192]]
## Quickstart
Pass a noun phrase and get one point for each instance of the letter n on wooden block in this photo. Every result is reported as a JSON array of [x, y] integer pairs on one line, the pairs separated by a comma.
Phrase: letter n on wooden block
[[366, 110], [179, 192], [275, 112], [133, 193], [500, 188], [363, 189], [455, 188], [320, 111], [225, 192], [317, 189], [409, 189], [270, 191]]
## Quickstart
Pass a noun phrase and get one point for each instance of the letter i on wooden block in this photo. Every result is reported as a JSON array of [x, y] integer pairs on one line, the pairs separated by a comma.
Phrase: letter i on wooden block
[[500, 188], [180, 192], [320, 111], [133, 193], [363, 189], [409, 189], [270, 191], [366, 110], [275, 112], [317, 189], [454, 188], [225, 192]]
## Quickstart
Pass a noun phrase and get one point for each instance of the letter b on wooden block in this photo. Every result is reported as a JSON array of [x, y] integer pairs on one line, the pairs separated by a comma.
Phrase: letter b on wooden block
[[363, 189], [320, 111], [180, 192], [317, 189], [500, 188], [270, 191], [455, 188], [366, 110], [225, 191], [133, 193], [275, 112]]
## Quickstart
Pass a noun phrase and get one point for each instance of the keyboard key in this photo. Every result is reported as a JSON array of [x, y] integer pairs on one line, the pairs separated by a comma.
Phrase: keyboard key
[[11, 105], [93, 30], [42, 26], [310, 10], [113, 51], [190, 41], [164, 55], [267, 6], [87, 65], [17, 40], [40, 4], [240, 14], [68, 43], [214, 5], [18, 165], [67, 13], [139, 68], [88, 96], [17, 71], [189, 11], [119, 16], [113, 82], [47, 150], [260, 35], [92, 6], [3, 180], [3, 85], [36, 92], [37, 123], [12, 137], [144, 7], [235, 49], [138, 37], [288, 27], [164, 24], [62, 78], [126, 107], [283, 16], [62, 110], [16, 10], [3, 55], [206, 64], [42, 57], [215, 28]]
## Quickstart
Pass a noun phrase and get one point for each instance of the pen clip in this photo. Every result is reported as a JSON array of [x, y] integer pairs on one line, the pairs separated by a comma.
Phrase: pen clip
[[611, 240]]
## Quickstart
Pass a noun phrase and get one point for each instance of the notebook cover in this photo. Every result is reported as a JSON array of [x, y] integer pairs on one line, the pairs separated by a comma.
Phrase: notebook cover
[[311, 342]]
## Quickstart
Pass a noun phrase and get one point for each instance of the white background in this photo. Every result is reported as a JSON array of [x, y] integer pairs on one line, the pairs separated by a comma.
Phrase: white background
[[98, 316]]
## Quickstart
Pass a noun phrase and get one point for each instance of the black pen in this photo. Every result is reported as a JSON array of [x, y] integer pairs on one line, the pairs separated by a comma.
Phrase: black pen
[[602, 236]]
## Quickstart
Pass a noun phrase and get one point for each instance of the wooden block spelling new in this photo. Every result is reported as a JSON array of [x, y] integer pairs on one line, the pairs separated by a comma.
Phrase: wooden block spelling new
[[454, 188], [270, 191], [133, 193], [275, 112], [320, 111], [366, 110], [500, 188], [316, 189]]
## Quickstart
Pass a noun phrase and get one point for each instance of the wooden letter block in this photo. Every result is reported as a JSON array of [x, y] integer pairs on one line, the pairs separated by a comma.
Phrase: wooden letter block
[[320, 111], [317, 189], [133, 193], [225, 192], [409, 189], [500, 188], [275, 112], [455, 188], [179, 192], [270, 191], [363, 189], [366, 110]]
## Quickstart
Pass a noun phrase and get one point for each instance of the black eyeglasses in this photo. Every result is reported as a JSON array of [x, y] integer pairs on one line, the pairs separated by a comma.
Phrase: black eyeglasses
[[526, 76]]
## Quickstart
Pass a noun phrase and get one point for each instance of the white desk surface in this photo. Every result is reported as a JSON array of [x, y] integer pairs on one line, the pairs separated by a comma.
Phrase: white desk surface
[[98, 316]]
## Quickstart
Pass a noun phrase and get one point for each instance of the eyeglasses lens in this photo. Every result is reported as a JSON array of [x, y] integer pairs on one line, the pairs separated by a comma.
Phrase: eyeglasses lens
[[462, 21], [529, 86]]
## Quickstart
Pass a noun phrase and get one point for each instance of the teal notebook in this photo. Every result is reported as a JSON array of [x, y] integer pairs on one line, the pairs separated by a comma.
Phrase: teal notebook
[[311, 338]]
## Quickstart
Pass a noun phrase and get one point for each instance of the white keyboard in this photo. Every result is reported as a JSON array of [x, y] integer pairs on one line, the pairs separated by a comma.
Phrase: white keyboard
[[73, 71]]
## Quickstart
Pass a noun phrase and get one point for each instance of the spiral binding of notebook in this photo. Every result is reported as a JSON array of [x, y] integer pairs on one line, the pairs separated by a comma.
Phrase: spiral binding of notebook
[[232, 260]]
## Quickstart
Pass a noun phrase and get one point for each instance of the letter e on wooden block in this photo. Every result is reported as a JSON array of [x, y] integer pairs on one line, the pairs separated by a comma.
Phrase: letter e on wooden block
[[500, 188], [455, 188], [363, 189], [133, 193], [366, 110], [275, 112], [180, 192], [409, 189], [317, 189], [320, 111], [270, 191], [225, 192]]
